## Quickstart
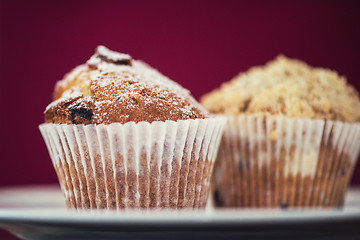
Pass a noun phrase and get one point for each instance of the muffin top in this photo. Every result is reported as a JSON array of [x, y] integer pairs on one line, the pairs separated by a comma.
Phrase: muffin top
[[289, 88], [112, 87]]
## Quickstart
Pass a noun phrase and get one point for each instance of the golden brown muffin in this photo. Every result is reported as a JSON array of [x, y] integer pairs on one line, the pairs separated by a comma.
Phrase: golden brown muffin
[[112, 146], [291, 139], [289, 88], [112, 87]]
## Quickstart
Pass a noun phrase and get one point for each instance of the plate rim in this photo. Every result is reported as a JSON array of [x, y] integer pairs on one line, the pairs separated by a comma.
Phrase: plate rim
[[174, 217]]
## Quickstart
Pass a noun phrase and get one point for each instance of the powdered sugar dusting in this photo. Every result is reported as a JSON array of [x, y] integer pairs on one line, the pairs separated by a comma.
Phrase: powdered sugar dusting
[[71, 94], [136, 87]]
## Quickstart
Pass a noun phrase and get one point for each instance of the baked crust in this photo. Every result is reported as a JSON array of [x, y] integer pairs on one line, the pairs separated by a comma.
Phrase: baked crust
[[289, 88], [112, 87]]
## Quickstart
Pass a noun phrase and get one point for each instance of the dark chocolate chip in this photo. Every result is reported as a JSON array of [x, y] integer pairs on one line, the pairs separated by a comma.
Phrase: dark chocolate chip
[[342, 172], [284, 205], [115, 61], [192, 115], [109, 56], [83, 112], [241, 166], [217, 199], [246, 105]]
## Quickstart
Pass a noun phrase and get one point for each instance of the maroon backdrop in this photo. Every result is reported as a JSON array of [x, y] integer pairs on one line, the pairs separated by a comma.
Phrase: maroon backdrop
[[197, 43]]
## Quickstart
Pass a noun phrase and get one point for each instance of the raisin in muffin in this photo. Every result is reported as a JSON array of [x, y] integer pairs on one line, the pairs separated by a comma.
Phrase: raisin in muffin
[[120, 134], [291, 138]]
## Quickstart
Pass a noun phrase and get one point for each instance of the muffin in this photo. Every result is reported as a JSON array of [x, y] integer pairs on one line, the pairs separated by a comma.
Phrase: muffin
[[292, 137], [122, 135]]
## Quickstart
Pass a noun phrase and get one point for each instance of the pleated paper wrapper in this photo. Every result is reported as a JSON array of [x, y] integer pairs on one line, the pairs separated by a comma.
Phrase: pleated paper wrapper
[[285, 162], [135, 165]]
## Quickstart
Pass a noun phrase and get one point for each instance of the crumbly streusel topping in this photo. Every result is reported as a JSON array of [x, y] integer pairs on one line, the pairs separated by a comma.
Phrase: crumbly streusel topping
[[287, 87]]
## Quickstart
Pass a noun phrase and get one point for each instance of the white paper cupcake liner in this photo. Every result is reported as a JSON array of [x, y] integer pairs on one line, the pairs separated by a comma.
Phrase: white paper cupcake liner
[[286, 162], [135, 165]]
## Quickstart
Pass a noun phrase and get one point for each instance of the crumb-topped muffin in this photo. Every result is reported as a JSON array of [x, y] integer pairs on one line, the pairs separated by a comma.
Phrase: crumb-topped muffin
[[287, 87], [122, 135], [291, 137], [112, 87]]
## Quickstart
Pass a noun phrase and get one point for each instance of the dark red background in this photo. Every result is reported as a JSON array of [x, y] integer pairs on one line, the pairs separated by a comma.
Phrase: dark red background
[[197, 43]]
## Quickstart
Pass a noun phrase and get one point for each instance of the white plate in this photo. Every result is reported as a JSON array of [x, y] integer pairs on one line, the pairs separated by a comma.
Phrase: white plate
[[39, 212]]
